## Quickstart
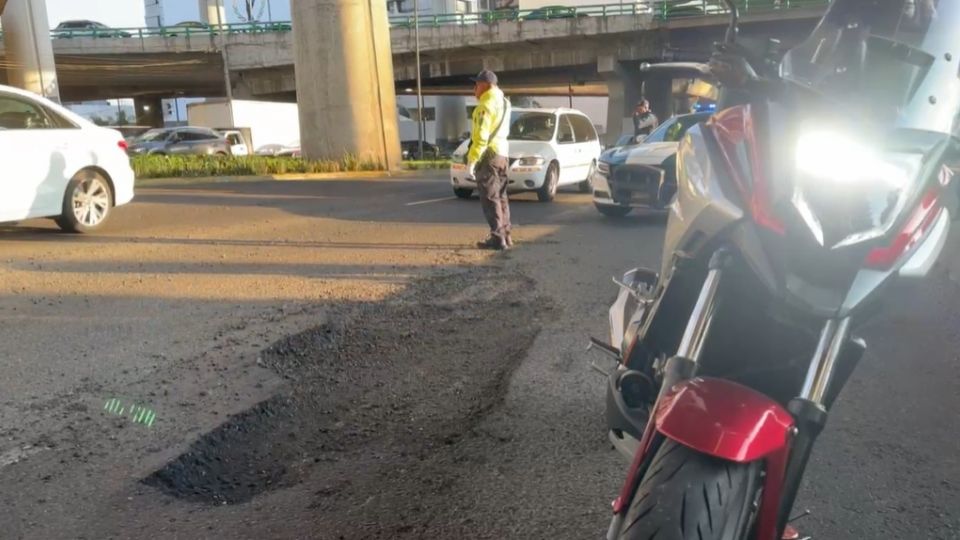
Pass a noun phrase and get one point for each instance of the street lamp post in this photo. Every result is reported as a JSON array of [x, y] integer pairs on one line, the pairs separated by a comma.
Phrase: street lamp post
[[225, 58], [416, 37]]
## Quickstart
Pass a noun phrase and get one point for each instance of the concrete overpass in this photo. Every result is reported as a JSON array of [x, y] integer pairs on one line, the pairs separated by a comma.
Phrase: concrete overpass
[[547, 55], [595, 55]]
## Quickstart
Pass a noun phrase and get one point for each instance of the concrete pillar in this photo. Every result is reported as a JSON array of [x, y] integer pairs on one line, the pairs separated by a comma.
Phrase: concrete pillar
[[149, 110], [213, 12], [451, 120], [29, 53], [624, 87], [344, 73]]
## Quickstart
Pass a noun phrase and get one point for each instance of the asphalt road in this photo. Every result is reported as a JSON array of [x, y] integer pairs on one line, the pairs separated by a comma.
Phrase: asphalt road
[[332, 359]]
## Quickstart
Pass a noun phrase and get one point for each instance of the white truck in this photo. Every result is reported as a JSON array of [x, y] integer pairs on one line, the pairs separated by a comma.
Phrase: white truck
[[260, 122]]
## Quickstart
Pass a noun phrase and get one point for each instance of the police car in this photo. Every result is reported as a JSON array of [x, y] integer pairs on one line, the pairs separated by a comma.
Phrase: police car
[[642, 174]]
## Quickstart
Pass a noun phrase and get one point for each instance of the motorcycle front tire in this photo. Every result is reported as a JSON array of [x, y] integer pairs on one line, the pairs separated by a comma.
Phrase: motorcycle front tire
[[686, 495]]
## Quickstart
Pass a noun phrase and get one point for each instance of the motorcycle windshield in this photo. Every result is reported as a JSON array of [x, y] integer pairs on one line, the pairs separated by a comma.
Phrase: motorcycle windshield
[[893, 63]]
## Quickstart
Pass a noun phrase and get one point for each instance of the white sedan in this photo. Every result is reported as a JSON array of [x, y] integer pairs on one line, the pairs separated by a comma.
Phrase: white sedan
[[58, 164], [548, 148]]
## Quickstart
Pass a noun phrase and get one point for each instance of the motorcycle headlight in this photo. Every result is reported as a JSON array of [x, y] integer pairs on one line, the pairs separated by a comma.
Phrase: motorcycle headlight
[[847, 192], [530, 161]]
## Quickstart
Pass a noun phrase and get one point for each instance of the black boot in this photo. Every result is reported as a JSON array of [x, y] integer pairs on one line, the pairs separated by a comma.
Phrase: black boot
[[493, 243]]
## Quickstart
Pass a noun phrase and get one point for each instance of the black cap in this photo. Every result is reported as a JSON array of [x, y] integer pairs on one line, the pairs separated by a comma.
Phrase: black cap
[[486, 76]]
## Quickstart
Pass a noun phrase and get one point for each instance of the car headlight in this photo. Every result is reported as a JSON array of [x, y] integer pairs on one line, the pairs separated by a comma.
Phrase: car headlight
[[603, 168], [530, 161], [848, 192]]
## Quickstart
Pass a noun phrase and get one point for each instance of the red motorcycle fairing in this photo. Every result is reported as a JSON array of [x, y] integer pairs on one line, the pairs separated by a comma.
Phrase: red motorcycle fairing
[[723, 419], [744, 425]]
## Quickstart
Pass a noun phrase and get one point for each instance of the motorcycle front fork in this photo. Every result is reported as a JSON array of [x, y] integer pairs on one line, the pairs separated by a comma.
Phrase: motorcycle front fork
[[808, 408]]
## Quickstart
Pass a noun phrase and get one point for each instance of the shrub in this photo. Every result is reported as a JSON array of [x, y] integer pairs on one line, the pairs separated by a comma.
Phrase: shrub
[[197, 166]]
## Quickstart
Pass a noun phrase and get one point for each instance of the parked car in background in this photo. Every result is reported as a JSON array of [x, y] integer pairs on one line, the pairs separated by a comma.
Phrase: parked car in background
[[85, 28], [497, 15], [689, 8], [182, 140], [130, 133], [186, 28], [642, 175], [280, 150], [552, 12], [411, 150], [59, 165], [549, 148]]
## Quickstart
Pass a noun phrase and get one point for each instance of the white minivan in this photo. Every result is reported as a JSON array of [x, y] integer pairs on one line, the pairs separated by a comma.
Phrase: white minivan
[[548, 148]]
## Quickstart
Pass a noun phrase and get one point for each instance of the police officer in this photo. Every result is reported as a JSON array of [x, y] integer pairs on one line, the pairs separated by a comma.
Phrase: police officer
[[487, 158], [644, 121]]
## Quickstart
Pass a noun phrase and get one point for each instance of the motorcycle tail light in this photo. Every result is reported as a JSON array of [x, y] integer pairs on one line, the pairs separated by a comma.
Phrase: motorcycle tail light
[[736, 135], [922, 218]]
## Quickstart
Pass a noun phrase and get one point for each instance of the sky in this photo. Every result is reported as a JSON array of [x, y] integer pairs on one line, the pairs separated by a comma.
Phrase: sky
[[129, 13]]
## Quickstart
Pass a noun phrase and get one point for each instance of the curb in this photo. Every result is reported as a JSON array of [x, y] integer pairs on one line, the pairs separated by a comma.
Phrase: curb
[[292, 177]]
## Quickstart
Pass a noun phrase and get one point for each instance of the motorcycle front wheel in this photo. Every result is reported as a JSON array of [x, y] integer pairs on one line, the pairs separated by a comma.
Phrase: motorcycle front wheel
[[686, 495]]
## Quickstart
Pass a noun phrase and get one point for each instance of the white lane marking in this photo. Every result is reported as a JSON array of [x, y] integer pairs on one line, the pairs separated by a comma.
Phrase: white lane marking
[[17, 454], [428, 201]]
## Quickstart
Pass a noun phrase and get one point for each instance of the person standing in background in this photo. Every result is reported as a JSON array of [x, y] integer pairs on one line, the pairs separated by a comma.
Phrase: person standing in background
[[487, 158], [644, 121]]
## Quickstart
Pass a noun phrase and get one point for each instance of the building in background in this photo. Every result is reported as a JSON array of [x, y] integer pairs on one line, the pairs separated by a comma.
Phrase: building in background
[[157, 13]]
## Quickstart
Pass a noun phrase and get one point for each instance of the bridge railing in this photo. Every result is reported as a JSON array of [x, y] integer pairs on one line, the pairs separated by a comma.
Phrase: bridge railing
[[173, 31], [658, 9]]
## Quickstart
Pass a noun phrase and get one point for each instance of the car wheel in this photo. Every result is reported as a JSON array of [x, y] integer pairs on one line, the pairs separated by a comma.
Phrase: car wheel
[[221, 154], [585, 186], [463, 193], [548, 191], [613, 211], [86, 203]]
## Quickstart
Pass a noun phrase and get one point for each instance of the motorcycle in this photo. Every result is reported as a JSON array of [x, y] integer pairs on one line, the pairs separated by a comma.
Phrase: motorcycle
[[822, 180]]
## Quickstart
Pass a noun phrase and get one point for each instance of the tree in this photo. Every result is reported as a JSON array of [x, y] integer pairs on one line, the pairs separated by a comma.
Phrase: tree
[[99, 120], [122, 119], [252, 10]]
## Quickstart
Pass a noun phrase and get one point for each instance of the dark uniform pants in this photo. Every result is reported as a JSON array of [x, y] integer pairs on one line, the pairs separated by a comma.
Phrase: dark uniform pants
[[492, 185]]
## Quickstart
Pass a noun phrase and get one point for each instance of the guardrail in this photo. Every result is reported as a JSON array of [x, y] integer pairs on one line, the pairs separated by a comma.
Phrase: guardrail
[[173, 31], [658, 9]]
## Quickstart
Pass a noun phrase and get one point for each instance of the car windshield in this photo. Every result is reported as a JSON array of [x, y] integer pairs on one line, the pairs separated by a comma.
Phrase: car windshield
[[532, 126], [624, 140], [674, 129], [154, 135]]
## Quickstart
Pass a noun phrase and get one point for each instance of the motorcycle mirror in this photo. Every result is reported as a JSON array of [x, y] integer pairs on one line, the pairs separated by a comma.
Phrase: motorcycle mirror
[[733, 27], [630, 289]]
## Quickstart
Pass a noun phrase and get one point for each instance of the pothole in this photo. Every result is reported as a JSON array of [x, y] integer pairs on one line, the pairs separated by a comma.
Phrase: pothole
[[234, 462], [402, 377]]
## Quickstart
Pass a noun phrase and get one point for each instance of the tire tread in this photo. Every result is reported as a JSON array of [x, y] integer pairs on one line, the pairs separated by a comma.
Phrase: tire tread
[[692, 496]]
